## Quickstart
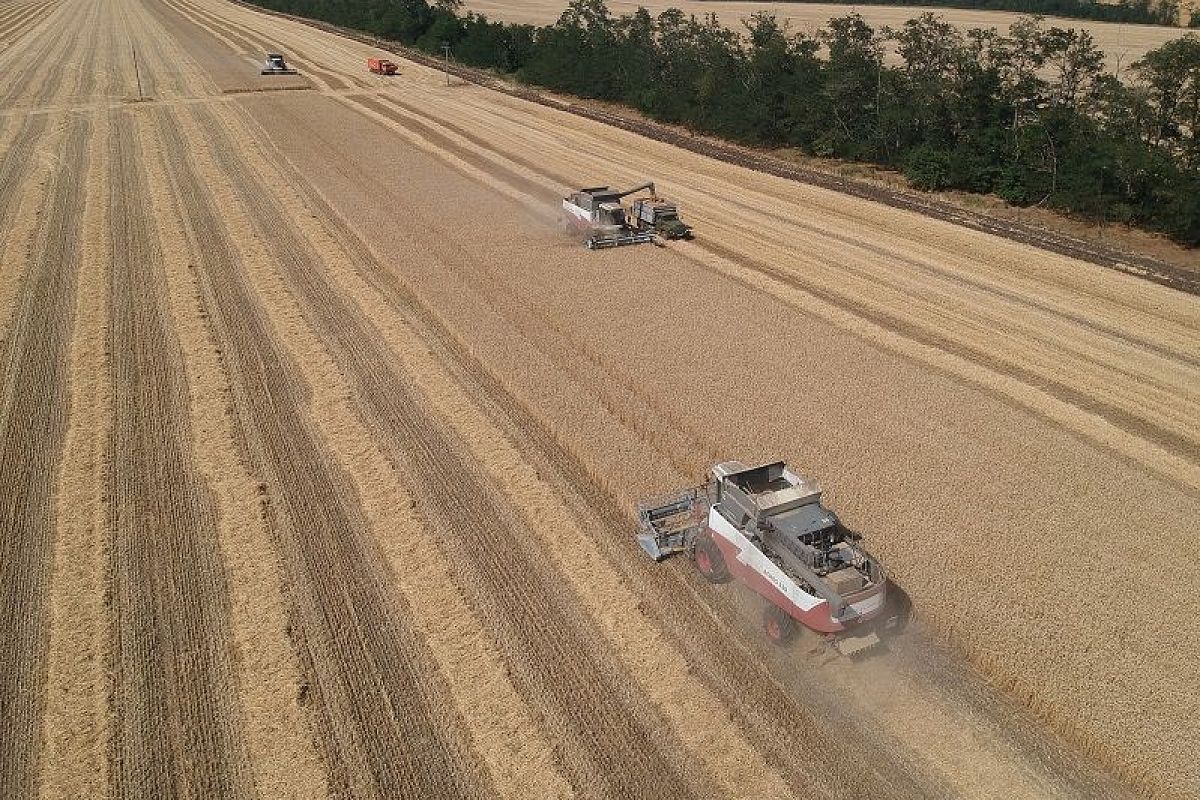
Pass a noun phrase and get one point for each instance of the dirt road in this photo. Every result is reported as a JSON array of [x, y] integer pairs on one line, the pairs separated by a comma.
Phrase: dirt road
[[318, 443]]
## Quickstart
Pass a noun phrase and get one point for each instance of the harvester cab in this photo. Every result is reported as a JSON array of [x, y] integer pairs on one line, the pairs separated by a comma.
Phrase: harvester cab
[[274, 64], [767, 527], [610, 217]]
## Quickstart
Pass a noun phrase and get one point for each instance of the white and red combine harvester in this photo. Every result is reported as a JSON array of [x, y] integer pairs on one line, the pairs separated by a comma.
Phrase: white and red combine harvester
[[598, 214], [766, 527]]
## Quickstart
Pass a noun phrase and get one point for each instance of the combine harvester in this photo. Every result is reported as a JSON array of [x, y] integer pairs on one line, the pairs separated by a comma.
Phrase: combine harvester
[[275, 65], [766, 527], [598, 213]]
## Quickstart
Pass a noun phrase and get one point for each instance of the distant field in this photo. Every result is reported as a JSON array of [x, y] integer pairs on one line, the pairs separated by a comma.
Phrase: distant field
[[1123, 43]]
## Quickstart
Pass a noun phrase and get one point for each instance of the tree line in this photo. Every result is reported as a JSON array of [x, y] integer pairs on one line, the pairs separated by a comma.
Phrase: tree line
[[1030, 114], [1145, 12]]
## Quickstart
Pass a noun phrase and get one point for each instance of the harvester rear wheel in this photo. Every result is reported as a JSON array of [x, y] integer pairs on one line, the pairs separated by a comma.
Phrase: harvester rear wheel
[[709, 561], [898, 611], [780, 627]]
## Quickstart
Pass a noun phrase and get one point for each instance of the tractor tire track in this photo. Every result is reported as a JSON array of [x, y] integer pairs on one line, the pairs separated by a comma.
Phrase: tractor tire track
[[74, 758], [17, 29], [333, 80], [637, 644], [211, 54], [33, 410], [86, 70], [175, 725], [503, 731], [680, 598], [1079, 351], [410, 122], [31, 79], [253, 42], [1143, 267], [276, 727], [761, 707], [577, 689], [381, 724], [18, 24], [150, 40], [1163, 435], [123, 77], [21, 154]]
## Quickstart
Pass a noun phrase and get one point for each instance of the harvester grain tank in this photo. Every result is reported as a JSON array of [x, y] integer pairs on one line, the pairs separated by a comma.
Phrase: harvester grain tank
[[766, 527], [381, 66], [598, 213], [276, 65]]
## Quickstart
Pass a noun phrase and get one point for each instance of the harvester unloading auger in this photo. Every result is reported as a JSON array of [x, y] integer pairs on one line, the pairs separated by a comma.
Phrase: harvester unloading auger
[[606, 222], [766, 527]]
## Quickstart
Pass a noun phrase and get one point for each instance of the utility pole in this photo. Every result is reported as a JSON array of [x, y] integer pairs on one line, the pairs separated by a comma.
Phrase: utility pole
[[446, 57], [137, 72]]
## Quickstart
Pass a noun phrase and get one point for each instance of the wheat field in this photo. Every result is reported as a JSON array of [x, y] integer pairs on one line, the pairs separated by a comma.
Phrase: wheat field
[[319, 444]]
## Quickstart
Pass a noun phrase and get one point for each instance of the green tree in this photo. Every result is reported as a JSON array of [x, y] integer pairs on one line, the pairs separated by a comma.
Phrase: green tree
[[670, 93], [928, 167], [1172, 76], [853, 85], [1077, 63]]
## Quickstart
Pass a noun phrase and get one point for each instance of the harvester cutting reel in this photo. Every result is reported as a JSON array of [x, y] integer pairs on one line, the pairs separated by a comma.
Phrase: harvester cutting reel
[[600, 242], [669, 525]]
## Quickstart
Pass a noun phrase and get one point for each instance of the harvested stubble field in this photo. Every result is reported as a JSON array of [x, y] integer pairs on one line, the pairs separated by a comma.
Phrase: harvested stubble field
[[318, 442]]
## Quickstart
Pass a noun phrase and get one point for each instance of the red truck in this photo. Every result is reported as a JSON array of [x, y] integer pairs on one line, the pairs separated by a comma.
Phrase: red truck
[[381, 66]]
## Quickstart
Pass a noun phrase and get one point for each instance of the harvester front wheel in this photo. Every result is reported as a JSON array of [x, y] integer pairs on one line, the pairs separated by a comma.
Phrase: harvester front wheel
[[709, 561], [780, 628]]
